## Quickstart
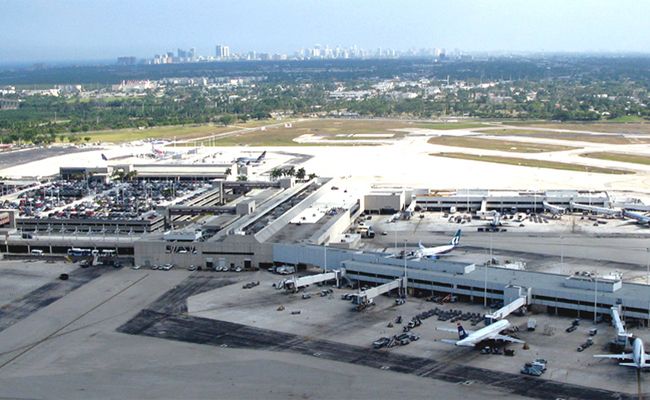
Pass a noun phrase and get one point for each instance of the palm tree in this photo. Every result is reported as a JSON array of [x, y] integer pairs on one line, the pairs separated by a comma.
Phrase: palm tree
[[275, 173], [300, 174]]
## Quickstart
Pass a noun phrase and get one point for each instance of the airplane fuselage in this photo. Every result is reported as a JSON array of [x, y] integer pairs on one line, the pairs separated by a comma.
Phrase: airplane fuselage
[[638, 353], [489, 332], [435, 251]]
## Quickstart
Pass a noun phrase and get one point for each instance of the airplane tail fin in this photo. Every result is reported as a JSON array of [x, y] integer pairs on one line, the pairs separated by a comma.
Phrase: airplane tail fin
[[261, 157], [455, 241], [420, 245], [462, 334], [104, 157]]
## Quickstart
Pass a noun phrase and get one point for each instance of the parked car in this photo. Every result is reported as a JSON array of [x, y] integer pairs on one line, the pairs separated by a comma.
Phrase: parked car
[[381, 342]]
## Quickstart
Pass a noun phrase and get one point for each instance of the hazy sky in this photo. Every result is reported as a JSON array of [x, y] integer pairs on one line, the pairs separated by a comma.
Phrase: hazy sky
[[101, 29]]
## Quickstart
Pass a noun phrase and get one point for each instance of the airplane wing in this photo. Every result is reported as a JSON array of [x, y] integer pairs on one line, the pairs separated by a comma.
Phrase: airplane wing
[[507, 338], [634, 365], [623, 356], [448, 341]]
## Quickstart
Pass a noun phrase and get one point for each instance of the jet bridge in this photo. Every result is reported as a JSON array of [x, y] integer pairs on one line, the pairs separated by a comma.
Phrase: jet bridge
[[515, 297], [597, 210], [553, 208], [622, 336], [366, 297], [294, 284]]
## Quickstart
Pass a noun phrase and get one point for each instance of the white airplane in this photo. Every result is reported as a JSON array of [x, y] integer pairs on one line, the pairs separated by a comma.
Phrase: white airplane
[[472, 338], [638, 356], [435, 252], [394, 217], [251, 160]]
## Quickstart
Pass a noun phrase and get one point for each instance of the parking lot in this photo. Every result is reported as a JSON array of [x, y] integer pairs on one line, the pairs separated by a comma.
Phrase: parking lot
[[93, 199]]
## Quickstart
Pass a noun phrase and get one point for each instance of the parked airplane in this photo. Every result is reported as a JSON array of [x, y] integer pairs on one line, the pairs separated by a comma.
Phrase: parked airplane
[[161, 154], [638, 356], [472, 338], [251, 160], [395, 217], [640, 218], [435, 252]]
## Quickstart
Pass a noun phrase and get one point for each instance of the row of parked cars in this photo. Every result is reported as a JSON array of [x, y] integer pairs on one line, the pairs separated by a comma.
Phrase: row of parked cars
[[458, 315], [112, 200]]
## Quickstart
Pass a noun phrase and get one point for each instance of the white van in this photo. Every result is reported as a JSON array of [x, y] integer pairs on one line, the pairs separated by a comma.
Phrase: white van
[[37, 252]]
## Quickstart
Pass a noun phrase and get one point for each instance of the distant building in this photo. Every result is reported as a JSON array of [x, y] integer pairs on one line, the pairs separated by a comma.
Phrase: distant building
[[133, 86], [126, 60], [9, 104], [222, 52]]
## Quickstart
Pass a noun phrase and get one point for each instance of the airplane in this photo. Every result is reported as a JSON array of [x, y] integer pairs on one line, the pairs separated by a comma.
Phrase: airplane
[[435, 252], [251, 160], [640, 218], [638, 356], [472, 338], [394, 217]]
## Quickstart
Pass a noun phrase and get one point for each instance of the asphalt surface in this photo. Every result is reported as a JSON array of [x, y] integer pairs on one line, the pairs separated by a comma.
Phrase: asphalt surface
[[18, 157], [72, 350], [165, 318], [45, 295]]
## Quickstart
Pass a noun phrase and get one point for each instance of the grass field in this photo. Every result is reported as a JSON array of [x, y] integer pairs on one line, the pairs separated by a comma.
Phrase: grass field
[[579, 137], [523, 162], [180, 132], [612, 156], [496, 144], [328, 129], [634, 125], [445, 126]]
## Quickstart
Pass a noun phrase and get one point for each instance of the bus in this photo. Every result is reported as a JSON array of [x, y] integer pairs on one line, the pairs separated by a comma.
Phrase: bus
[[77, 252]]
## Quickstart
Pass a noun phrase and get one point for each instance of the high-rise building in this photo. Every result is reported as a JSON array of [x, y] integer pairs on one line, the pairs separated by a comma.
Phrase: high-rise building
[[222, 52]]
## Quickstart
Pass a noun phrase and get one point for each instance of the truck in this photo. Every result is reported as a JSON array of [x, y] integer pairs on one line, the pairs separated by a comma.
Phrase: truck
[[532, 324]]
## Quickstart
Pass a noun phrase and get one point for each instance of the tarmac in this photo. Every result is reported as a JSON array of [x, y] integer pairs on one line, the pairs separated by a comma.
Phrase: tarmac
[[72, 349]]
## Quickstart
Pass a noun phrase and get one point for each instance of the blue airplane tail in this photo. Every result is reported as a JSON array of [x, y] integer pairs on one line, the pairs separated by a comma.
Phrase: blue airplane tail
[[462, 334], [455, 241]]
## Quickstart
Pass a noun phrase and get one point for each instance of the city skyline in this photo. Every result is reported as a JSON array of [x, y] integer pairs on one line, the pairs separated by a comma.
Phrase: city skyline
[[76, 30]]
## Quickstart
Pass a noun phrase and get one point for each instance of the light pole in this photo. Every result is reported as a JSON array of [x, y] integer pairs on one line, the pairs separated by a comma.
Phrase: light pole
[[647, 265], [325, 256], [595, 297], [562, 253], [405, 276], [486, 275]]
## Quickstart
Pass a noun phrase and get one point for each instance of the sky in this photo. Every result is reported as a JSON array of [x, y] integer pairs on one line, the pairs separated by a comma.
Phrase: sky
[[59, 30]]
